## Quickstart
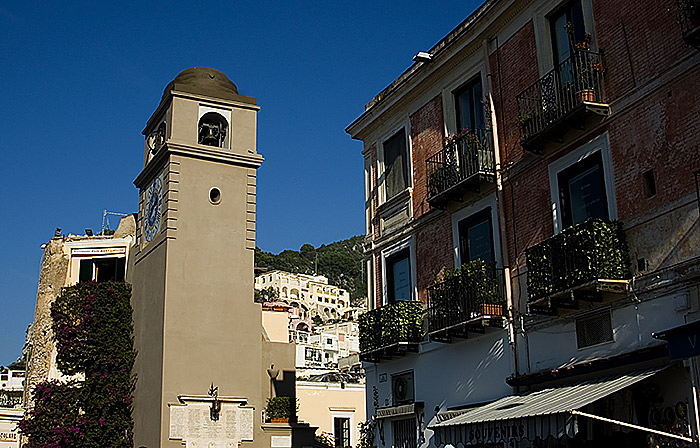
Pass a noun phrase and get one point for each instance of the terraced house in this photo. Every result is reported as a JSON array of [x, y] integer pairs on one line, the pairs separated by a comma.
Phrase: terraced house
[[532, 230]]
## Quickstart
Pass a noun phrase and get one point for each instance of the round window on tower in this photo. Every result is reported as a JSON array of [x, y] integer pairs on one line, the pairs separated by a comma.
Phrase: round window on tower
[[215, 196], [212, 129]]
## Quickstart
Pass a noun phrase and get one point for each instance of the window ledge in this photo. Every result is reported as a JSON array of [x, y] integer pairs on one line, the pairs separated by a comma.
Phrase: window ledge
[[397, 199]]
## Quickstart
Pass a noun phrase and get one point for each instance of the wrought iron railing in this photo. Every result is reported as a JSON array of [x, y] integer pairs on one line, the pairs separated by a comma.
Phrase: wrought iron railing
[[460, 159], [689, 20], [577, 80], [592, 250], [472, 292], [400, 322]]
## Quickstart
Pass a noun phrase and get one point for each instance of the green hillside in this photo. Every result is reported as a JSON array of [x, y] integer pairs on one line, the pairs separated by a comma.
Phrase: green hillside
[[341, 262]]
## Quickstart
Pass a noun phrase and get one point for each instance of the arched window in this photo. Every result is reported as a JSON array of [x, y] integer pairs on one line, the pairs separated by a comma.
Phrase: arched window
[[212, 130]]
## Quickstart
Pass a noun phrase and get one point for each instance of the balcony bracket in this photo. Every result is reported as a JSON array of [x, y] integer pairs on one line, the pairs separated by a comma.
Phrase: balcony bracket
[[596, 291], [598, 108], [568, 301], [441, 336], [389, 352]]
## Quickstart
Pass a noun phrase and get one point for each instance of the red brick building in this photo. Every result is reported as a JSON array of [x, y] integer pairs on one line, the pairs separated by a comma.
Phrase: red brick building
[[531, 186]]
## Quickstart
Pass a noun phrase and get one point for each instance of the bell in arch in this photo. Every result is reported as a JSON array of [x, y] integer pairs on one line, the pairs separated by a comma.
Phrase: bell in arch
[[212, 130]]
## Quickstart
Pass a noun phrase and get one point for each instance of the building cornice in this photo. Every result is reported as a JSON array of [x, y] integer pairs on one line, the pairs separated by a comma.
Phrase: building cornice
[[418, 71]]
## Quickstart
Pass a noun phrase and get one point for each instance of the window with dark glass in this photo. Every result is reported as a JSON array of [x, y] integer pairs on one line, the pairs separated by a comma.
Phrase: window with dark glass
[[395, 164], [572, 13], [398, 268], [582, 191], [476, 237], [341, 431], [469, 108], [102, 269]]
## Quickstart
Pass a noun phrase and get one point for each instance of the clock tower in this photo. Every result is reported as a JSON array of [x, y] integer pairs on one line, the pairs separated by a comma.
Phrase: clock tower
[[202, 363]]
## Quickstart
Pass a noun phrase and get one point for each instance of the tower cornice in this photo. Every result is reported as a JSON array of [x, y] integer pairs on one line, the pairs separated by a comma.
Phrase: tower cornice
[[195, 152]]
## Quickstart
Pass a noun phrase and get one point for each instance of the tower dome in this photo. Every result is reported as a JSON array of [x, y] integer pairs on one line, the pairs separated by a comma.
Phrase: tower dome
[[203, 81]]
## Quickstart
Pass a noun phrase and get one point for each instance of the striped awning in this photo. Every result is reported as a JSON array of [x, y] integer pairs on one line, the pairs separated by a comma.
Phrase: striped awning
[[536, 415]]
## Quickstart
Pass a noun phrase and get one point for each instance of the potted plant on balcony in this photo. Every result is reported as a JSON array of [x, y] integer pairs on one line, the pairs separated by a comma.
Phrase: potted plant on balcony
[[476, 282], [582, 66], [526, 121], [279, 409]]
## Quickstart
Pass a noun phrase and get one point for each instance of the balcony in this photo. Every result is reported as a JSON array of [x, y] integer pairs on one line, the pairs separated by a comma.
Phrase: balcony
[[588, 262], [562, 99], [689, 20], [390, 330], [466, 300], [463, 164]]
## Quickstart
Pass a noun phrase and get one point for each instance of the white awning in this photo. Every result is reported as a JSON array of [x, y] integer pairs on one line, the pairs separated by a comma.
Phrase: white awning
[[536, 415]]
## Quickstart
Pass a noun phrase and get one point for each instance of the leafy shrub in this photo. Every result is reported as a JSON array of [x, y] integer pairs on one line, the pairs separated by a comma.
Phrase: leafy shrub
[[55, 420], [325, 439], [92, 327], [594, 249], [279, 407], [398, 322], [366, 434]]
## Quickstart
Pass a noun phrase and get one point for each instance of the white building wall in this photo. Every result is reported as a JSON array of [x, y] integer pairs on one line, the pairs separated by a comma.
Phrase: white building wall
[[445, 376], [553, 344]]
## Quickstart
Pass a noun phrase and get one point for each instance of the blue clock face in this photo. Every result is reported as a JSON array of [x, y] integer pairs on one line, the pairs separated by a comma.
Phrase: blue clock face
[[152, 212]]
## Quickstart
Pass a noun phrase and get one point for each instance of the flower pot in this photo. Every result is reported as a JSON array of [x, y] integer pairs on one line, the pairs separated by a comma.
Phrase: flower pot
[[280, 420], [490, 309], [586, 95]]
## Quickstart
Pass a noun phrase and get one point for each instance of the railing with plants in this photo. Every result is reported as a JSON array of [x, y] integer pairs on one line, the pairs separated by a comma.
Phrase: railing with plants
[[391, 324], [462, 156], [472, 291], [594, 249], [577, 80]]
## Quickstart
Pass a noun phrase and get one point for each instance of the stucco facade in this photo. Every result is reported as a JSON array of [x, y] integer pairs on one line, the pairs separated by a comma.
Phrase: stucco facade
[[329, 405]]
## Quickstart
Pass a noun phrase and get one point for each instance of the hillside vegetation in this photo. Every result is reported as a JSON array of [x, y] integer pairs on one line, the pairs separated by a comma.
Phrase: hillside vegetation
[[341, 262]]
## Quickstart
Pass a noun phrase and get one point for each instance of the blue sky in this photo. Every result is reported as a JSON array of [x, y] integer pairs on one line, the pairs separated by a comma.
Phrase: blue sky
[[78, 80]]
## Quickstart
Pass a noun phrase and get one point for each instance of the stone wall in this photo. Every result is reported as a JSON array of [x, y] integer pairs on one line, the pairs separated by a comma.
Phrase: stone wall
[[40, 344]]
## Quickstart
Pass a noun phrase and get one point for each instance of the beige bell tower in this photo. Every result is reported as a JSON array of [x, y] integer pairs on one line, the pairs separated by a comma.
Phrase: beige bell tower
[[195, 321]]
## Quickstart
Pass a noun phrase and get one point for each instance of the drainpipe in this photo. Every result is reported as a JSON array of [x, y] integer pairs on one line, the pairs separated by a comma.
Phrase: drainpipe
[[501, 216]]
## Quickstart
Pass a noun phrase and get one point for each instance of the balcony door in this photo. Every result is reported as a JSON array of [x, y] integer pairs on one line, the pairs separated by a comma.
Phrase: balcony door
[[570, 16], [561, 43], [469, 114], [476, 238], [582, 191], [398, 268], [470, 110]]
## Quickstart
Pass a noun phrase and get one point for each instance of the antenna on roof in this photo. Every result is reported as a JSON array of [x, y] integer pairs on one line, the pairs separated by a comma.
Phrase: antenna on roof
[[105, 219]]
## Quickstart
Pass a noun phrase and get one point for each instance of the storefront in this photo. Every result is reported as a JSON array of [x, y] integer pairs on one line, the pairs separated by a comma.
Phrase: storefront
[[643, 408]]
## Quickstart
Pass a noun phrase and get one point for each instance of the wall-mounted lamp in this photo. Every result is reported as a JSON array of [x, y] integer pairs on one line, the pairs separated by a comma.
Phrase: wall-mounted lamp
[[423, 56], [215, 408]]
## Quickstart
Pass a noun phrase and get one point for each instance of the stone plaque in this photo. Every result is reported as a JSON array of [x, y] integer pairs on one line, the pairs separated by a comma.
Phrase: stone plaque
[[281, 442], [192, 424], [177, 421]]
